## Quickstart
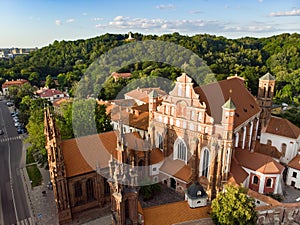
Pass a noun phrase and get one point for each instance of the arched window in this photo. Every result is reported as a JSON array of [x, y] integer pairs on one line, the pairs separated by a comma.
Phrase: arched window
[[255, 180], [269, 182], [90, 190], [180, 150], [204, 163], [159, 141], [283, 149], [78, 189]]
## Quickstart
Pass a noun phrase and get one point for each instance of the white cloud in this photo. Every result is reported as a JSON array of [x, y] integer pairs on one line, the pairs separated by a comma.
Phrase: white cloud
[[97, 19], [169, 6], [260, 0], [195, 12], [295, 12], [70, 21], [160, 26], [58, 22]]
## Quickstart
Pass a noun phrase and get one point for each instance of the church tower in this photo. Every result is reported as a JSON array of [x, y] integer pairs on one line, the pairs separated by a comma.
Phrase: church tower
[[57, 168], [228, 126], [123, 185], [153, 103], [265, 95]]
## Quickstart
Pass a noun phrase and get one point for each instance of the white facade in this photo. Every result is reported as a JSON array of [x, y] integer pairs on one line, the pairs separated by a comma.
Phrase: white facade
[[292, 145], [293, 177]]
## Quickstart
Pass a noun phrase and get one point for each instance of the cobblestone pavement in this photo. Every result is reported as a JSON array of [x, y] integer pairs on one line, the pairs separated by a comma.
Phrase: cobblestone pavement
[[291, 194]]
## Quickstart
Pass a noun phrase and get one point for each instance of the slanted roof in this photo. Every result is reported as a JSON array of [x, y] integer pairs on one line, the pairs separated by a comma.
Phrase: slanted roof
[[97, 150], [295, 162], [282, 127], [18, 82], [238, 174], [47, 93], [140, 121], [174, 213], [215, 94], [60, 101], [267, 76], [142, 93], [258, 162], [267, 150], [196, 191], [177, 168], [153, 94], [156, 156]]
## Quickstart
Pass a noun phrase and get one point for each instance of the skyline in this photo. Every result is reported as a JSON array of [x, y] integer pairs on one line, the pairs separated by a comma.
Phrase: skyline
[[39, 23]]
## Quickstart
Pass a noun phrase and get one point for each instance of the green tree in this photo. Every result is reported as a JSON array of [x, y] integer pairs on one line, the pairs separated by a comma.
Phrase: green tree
[[35, 128], [233, 206], [49, 82]]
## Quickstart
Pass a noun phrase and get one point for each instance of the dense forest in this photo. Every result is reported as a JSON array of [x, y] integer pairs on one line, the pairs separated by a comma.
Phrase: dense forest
[[67, 61]]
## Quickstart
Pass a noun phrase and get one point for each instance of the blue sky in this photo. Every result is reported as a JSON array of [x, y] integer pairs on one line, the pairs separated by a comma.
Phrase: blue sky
[[37, 23]]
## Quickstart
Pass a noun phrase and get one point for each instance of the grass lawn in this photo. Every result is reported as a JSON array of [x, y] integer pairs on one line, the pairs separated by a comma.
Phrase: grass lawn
[[34, 175], [29, 157]]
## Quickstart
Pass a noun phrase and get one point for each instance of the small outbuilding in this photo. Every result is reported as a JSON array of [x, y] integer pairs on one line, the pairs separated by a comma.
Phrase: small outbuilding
[[196, 195]]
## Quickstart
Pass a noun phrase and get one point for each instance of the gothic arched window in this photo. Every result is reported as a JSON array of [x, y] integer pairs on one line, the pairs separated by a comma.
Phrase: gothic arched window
[[90, 190], [180, 150], [78, 189], [204, 163], [159, 141]]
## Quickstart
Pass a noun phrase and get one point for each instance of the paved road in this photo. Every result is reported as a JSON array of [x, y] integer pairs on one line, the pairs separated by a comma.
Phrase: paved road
[[13, 203]]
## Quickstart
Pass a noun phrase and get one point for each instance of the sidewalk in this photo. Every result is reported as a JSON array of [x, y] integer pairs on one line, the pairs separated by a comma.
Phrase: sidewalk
[[43, 209]]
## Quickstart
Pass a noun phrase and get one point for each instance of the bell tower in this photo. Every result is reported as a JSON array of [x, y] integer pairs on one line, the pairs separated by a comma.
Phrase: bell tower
[[57, 168], [264, 98], [123, 185]]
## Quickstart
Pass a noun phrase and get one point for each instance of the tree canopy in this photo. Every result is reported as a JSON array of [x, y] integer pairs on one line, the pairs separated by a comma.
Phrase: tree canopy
[[248, 57], [233, 206]]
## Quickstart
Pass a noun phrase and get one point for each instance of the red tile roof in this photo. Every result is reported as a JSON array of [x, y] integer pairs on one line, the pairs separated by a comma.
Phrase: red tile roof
[[18, 82], [83, 154], [47, 93], [295, 162], [174, 213], [258, 162], [282, 127], [142, 93], [116, 75], [238, 174], [216, 94], [177, 168], [267, 150]]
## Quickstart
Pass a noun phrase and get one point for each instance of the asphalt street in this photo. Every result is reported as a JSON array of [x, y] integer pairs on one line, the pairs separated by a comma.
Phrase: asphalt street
[[13, 203]]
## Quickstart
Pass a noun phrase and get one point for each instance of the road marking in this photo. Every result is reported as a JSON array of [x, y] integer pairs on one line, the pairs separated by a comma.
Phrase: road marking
[[27, 221], [6, 139]]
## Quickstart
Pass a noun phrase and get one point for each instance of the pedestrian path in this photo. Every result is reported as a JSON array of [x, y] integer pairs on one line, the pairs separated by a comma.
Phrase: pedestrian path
[[27, 221], [6, 139]]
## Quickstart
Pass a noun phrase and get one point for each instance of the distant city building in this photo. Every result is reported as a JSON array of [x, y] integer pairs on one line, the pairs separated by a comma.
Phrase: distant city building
[[13, 52]]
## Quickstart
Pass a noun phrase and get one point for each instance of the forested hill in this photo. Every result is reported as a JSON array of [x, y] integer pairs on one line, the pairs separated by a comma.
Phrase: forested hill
[[248, 57]]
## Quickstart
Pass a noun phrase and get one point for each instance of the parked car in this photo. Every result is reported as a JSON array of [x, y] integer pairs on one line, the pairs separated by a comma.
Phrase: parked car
[[1, 132], [9, 104]]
